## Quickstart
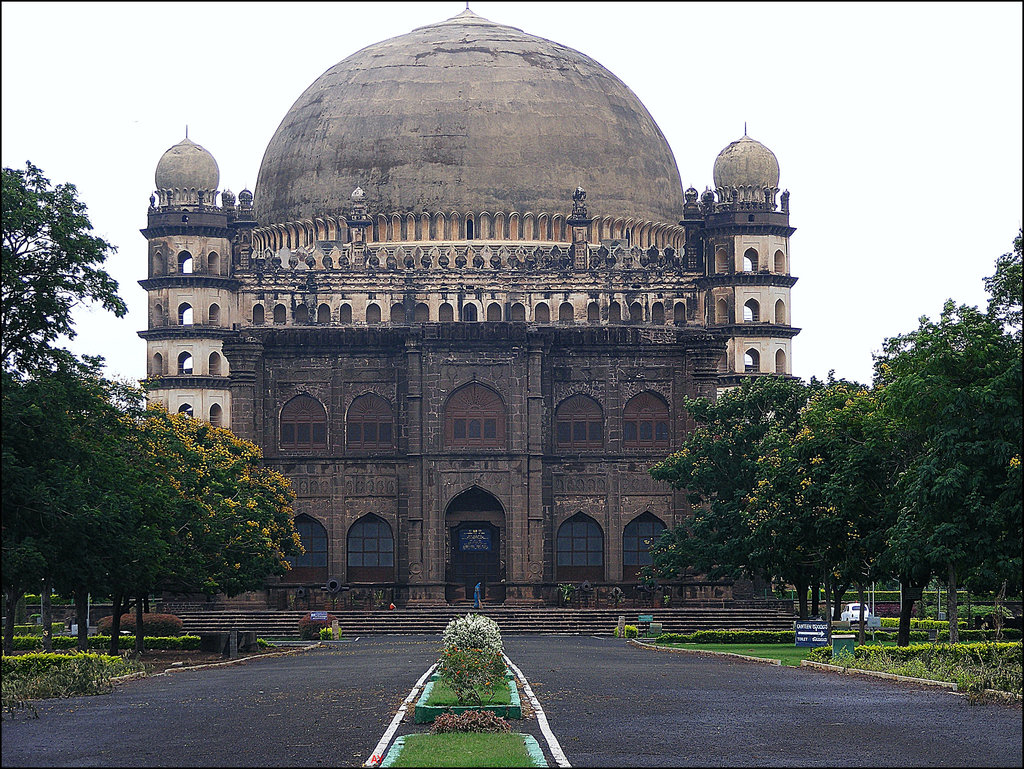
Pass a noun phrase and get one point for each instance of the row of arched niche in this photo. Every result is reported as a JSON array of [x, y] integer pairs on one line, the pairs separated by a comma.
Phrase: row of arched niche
[[580, 548], [752, 262], [751, 312], [475, 416], [660, 313]]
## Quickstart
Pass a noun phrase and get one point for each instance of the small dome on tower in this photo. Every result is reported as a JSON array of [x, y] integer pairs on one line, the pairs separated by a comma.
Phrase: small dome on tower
[[187, 166], [746, 163]]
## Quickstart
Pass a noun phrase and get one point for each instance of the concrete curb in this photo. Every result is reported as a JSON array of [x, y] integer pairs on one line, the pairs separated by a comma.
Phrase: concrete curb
[[706, 652], [877, 674], [132, 676]]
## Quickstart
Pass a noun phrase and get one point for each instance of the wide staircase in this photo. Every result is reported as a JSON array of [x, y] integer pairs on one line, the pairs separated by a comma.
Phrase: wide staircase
[[511, 620]]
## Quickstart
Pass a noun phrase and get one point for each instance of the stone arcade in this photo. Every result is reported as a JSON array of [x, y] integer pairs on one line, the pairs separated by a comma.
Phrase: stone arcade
[[461, 310]]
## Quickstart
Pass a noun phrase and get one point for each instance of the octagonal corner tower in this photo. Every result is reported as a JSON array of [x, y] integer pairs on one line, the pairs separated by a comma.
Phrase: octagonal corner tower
[[467, 115]]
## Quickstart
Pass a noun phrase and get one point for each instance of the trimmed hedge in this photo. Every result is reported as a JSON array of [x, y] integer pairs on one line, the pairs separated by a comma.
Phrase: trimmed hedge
[[171, 643], [56, 628], [728, 637], [631, 631], [34, 664], [162, 625]]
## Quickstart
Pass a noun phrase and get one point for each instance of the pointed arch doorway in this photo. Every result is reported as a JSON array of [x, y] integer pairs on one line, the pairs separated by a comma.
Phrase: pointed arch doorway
[[475, 522]]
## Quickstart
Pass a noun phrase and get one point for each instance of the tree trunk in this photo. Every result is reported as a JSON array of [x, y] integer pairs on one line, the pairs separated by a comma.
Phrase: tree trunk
[[11, 598], [140, 631], [115, 623], [860, 598], [910, 593], [998, 618], [82, 617], [838, 591], [954, 625], [815, 598], [46, 614], [828, 604], [801, 591]]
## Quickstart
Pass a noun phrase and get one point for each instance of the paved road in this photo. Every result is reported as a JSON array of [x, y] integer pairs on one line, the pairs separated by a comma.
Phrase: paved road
[[609, 704]]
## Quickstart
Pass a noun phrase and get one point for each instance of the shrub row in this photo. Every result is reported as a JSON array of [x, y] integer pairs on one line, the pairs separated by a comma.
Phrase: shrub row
[[35, 664], [982, 651], [728, 637], [56, 628], [182, 643], [162, 625], [630, 630]]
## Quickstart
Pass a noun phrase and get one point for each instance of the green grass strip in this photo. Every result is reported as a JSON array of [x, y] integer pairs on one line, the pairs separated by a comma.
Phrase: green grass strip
[[469, 749], [441, 694]]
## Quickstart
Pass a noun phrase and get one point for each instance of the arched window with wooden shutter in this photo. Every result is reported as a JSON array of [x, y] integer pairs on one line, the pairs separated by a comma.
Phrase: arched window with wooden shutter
[[370, 423], [474, 417], [303, 424], [645, 422], [579, 424]]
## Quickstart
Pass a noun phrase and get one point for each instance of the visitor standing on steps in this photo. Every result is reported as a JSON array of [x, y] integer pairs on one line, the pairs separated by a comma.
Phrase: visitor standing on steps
[[476, 596]]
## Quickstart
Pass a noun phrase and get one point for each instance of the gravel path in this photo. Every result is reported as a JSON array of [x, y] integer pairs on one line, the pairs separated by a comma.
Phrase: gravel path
[[608, 703]]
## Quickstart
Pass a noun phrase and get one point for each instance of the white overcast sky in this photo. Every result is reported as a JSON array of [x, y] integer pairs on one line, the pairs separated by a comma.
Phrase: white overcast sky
[[897, 126]]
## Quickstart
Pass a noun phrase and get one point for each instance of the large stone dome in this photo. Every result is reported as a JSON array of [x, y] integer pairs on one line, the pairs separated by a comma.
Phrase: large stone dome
[[468, 115], [746, 163]]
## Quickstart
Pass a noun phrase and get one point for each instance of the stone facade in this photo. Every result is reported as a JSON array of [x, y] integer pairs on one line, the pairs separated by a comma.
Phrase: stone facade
[[466, 395]]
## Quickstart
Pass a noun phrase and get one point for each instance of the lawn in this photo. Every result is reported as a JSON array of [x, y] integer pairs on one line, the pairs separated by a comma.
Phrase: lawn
[[440, 694], [466, 749]]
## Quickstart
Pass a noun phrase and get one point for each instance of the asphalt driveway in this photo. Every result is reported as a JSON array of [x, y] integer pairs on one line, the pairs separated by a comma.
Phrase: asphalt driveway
[[608, 704]]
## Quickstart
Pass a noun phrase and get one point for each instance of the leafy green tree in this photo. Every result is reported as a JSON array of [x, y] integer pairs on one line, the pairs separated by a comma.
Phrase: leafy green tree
[[1006, 287], [717, 466], [50, 264], [955, 387]]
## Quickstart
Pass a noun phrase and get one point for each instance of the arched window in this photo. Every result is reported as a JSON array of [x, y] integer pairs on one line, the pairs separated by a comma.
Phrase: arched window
[[258, 315], [213, 263], [214, 316], [542, 313], [185, 363], [750, 260], [323, 314], [216, 415], [645, 422], [185, 408], [345, 314], [517, 312], [371, 550], [658, 314], [184, 314], [311, 566], [637, 538], [494, 311], [721, 261], [593, 313], [398, 313], [373, 314], [280, 315], [636, 313], [469, 313], [445, 313], [679, 314], [579, 423], [370, 423], [566, 313], [579, 549], [303, 424], [469, 229], [751, 361], [214, 362], [614, 312], [185, 263], [780, 261], [158, 365], [780, 312], [780, 361], [722, 312], [158, 315], [422, 313], [474, 417], [301, 314], [751, 311]]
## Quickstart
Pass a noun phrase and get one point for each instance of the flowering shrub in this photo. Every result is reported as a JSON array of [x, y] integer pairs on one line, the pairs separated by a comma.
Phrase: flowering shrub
[[473, 631], [309, 629], [474, 675], [327, 634], [631, 631], [152, 624], [471, 721]]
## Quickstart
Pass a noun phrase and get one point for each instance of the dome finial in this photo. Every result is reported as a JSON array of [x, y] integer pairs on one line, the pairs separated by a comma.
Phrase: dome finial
[[744, 127]]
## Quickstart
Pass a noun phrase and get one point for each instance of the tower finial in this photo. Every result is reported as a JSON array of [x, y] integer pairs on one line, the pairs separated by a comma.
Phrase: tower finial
[[186, 130], [744, 127]]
